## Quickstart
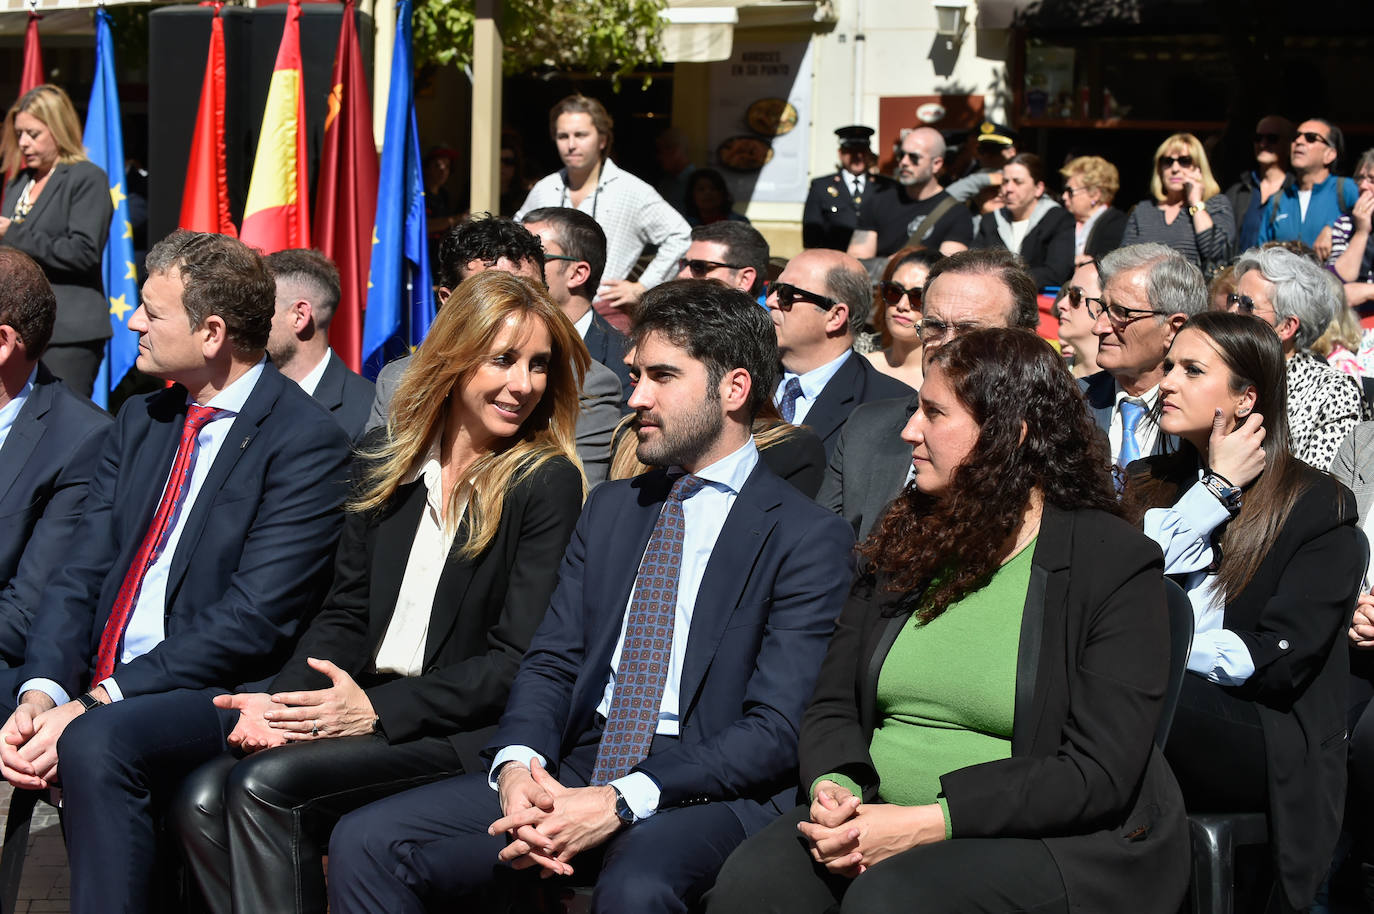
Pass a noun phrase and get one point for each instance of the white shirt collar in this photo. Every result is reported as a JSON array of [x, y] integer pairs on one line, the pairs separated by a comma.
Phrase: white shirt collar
[[312, 380], [1148, 398], [232, 398], [814, 381], [731, 471], [584, 323]]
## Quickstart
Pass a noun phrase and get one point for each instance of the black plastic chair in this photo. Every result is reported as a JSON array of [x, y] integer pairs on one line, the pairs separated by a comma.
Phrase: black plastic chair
[[17, 822]]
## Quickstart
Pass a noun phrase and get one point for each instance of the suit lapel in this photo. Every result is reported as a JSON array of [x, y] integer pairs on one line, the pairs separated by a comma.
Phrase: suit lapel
[[746, 530], [24, 435], [392, 539], [887, 630], [329, 392], [449, 595], [59, 177], [832, 407], [1045, 599]]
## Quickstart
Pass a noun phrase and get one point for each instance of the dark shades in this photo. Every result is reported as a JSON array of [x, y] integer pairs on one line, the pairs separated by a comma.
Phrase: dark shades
[[700, 268], [1167, 161], [1311, 137], [788, 295], [892, 294]]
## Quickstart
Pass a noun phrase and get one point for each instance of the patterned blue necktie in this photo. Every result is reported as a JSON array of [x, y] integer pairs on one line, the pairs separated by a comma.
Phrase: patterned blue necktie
[[791, 393], [642, 673], [1131, 414]]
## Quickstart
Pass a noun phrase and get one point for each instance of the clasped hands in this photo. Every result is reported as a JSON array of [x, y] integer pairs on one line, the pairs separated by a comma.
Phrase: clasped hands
[[266, 721], [28, 740], [550, 824], [847, 836]]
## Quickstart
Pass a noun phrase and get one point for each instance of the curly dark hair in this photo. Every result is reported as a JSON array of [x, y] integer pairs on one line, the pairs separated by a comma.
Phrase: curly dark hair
[[940, 548], [486, 238]]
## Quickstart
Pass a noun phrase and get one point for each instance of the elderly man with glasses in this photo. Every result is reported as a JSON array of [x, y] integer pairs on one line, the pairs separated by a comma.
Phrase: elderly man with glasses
[[917, 211], [971, 290], [1148, 292], [820, 301], [1293, 295], [1305, 208]]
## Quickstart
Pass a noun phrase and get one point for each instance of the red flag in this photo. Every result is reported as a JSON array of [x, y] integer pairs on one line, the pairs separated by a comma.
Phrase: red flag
[[276, 215], [205, 198], [33, 56], [346, 198]]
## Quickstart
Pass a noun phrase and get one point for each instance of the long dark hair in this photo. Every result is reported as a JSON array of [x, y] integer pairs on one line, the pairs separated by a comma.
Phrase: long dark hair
[[1012, 382], [1252, 352]]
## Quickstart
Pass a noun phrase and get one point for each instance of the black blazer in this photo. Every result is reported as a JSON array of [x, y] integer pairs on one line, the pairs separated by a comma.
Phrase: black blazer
[[65, 233], [830, 214], [46, 463], [1047, 248], [1293, 617], [1084, 773], [485, 609], [347, 395], [856, 382], [607, 345], [799, 459], [1105, 235], [252, 561]]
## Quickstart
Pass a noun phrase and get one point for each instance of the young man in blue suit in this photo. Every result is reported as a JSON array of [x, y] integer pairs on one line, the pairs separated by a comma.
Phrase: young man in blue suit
[[207, 534], [653, 723], [50, 442]]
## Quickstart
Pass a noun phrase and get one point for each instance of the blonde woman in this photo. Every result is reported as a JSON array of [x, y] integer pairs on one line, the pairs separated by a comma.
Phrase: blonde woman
[[448, 558], [1189, 213], [1090, 185], [57, 210]]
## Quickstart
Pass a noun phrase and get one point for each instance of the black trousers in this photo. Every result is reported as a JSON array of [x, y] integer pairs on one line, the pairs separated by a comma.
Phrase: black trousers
[[254, 829], [76, 363], [1359, 808], [1216, 749], [428, 850], [773, 873]]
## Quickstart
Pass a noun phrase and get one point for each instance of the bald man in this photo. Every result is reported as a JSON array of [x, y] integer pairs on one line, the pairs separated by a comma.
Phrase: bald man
[[916, 211], [818, 303]]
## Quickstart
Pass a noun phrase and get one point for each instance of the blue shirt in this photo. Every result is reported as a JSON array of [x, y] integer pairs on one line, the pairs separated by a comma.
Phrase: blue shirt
[[1283, 219], [812, 383], [10, 411], [704, 515]]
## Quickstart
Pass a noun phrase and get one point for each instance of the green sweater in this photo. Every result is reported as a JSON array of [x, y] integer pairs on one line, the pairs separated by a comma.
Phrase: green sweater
[[947, 691]]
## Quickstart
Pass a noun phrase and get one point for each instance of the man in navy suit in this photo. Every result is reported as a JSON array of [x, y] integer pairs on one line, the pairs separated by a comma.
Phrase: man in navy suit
[[307, 298], [820, 301], [643, 751], [50, 439], [207, 534]]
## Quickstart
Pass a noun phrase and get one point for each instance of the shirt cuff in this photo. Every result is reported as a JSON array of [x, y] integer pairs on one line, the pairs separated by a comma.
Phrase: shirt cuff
[[847, 783], [47, 687], [1221, 656], [521, 755], [1201, 510], [641, 793], [112, 687]]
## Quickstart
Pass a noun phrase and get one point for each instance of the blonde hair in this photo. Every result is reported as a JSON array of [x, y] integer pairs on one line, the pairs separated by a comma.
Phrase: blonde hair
[[51, 105], [460, 340], [1096, 173], [1344, 329], [1210, 188]]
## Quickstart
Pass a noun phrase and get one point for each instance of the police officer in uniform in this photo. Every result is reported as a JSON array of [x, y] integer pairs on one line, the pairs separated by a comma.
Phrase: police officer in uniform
[[832, 205]]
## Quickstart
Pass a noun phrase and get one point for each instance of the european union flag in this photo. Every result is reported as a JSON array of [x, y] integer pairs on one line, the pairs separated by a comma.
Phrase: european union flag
[[400, 293], [104, 140]]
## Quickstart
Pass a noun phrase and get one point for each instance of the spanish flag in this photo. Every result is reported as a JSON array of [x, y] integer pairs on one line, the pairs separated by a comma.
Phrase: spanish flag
[[277, 213]]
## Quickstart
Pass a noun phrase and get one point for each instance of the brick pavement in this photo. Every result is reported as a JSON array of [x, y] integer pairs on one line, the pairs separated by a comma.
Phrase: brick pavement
[[44, 888]]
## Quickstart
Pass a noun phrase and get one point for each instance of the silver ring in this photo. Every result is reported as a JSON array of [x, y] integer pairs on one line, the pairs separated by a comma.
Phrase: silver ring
[[315, 728]]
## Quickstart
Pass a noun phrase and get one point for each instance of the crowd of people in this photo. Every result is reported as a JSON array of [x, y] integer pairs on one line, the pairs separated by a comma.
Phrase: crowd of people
[[719, 583]]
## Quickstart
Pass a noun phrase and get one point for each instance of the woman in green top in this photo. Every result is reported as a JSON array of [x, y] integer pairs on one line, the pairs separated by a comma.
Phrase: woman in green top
[[981, 735]]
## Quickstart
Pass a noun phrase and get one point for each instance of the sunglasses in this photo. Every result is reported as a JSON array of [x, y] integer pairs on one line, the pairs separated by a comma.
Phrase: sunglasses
[[701, 268], [903, 155], [1269, 138], [788, 295], [1070, 191], [1241, 304], [1168, 161], [1078, 299], [892, 294], [1311, 137]]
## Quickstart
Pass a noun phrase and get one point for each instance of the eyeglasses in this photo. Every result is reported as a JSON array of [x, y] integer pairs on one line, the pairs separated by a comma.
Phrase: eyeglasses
[[1242, 304], [788, 295], [892, 294], [903, 155], [1168, 161], [934, 330], [1269, 138], [562, 257], [1070, 191], [1311, 137], [1120, 315], [700, 268], [1077, 299]]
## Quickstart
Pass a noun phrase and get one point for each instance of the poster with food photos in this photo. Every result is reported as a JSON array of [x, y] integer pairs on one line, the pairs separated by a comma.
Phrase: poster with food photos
[[759, 133]]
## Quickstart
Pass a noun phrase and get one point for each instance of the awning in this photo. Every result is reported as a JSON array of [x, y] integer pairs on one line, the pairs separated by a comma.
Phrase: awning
[[60, 17], [700, 31]]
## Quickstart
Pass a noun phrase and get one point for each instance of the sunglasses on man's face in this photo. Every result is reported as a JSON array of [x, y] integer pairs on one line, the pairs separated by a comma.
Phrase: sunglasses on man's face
[[915, 157], [700, 269], [893, 293], [786, 295], [1311, 137], [1168, 161]]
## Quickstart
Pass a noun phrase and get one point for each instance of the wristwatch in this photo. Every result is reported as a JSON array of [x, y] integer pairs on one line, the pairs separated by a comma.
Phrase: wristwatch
[[88, 701], [1221, 488], [623, 812], [1192, 210]]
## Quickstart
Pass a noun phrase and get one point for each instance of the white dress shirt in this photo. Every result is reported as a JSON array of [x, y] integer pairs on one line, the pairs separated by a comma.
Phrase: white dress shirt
[[704, 515], [145, 630], [312, 380], [402, 650], [1146, 432], [1085, 228], [10, 411], [812, 383], [1184, 532], [584, 323]]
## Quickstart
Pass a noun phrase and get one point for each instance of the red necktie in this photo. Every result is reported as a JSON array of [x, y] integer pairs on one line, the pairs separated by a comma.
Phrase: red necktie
[[178, 484]]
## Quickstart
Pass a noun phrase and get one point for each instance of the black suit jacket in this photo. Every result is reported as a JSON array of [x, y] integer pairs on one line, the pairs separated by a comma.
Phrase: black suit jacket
[[607, 345], [486, 609], [253, 557], [830, 213], [765, 608], [1084, 773], [65, 233], [45, 466], [799, 459], [1047, 248], [347, 395], [870, 463], [856, 382], [1106, 233], [1293, 617]]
